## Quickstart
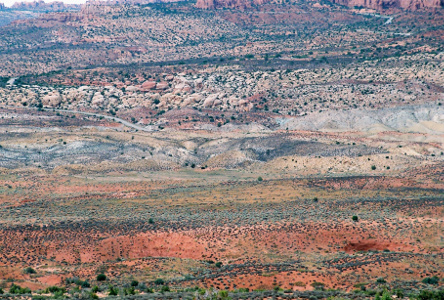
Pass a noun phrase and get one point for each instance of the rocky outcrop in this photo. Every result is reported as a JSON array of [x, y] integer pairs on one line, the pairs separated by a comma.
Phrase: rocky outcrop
[[389, 4], [43, 6], [214, 4], [2, 6], [373, 4], [52, 99]]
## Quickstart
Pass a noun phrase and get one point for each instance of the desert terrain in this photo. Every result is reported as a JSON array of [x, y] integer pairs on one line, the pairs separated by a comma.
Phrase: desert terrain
[[222, 150]]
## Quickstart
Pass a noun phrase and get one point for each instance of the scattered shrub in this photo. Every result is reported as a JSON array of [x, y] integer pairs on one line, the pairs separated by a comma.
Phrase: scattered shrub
[[15, 289], [431, 280], [29, 270], [222, 294], [113, 291], [386, 296], [55, 289], [101, 277], [430, 295], [86, 284], [380, 280], [134, 283], [165, 288], [129, 291]]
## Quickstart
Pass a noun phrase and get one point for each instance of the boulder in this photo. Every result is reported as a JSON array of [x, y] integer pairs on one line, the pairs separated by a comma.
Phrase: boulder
[[53, 99]]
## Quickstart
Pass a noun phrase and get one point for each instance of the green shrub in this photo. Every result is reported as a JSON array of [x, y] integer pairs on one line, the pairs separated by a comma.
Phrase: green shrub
[[59, 294], [134, 283], [165, 288], [426, 295], [223, 294], [159, 281], [386, 296], [399, 293], [15, 289], [113, 291], [54, 289], [380, 280], [299, 283], [86, 284], [29, 270], [431, 295], [129, 291], [355, 218], [431, 280], [101, 277], [317, 285]]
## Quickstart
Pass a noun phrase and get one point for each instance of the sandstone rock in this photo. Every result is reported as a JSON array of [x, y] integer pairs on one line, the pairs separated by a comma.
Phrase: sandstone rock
[[217, 103], [52, 99], [148, 85], [210, 100], [192, 99], [162, 85], [387, 4], [131, 88], [214, 4], [182, 87], [233, 101], [97, 100]]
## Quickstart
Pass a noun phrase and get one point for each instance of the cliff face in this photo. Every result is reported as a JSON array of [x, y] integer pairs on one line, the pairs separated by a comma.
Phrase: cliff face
[[212, 4], [374, 4], [43, 6], [387, 4]]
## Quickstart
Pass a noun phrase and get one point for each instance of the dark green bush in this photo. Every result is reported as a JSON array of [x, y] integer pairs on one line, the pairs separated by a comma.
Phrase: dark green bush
[[86, 284], [134, 283], [431, 280], [54, 289], [129, 291], [15, 289], [101, 277], [380, 280], [29, 270], [113, 291], [165, 288]]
